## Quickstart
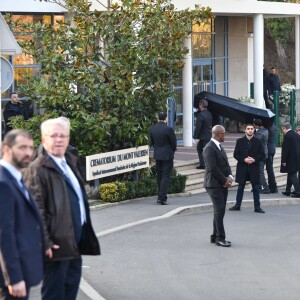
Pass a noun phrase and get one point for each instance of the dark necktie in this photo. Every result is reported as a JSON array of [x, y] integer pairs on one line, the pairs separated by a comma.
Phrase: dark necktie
[[24, 189]]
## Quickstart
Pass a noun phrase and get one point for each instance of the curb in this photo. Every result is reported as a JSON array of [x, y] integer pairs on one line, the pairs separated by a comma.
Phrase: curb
[[107, 205], [193, 209]]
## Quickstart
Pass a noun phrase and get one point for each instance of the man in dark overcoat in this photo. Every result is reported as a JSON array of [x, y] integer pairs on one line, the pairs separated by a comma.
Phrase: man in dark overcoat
[[203, 130], [164, 142], [290, 158], [217, 179], [55, 181], [248, 152], [269, 162], [262, 134]]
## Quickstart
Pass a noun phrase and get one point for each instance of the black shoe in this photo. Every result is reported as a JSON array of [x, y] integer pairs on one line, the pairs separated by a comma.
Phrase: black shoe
[[158, 201], [295, 195], [213, 240], [200, 167], [235, 208], [259, 210], [286, 193], [223, 243], [275, 191], [163, 203]]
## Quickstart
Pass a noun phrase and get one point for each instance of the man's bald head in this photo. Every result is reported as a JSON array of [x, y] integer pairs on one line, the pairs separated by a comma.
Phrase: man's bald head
[[218, 133]]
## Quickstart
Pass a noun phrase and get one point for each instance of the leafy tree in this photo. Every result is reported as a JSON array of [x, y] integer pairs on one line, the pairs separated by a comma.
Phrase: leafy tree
[[109, 71]]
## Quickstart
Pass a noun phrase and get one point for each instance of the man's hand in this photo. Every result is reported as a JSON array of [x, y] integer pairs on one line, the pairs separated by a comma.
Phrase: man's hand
[[228, 182], [49, 252], [249, 160], [18, 289]]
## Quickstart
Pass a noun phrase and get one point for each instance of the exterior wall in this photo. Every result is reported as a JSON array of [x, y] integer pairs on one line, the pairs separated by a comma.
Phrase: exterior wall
[[237, 57], [31, 6]]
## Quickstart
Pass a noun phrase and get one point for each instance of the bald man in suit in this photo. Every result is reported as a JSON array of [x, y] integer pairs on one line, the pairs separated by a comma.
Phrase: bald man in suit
[[218, 178]]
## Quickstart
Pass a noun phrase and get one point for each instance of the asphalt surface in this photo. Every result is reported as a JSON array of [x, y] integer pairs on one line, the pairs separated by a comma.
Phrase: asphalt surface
[[158, 252]]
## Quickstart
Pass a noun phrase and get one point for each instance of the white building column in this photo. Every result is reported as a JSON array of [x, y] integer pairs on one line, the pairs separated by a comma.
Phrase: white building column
[[258, 59], [187, 94], [297, 51]]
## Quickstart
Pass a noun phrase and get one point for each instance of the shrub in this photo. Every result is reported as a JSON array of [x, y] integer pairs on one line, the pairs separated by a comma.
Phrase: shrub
[[177, 184], [118, 191], [112, 192], [109, 192], [121, 191]]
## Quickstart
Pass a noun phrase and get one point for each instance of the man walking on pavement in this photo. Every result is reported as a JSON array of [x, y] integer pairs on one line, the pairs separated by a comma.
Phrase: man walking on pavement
[[290, 159], [163, 140], [203, 130], [21, 230], [58, 188], [217, 179], [248, 152]]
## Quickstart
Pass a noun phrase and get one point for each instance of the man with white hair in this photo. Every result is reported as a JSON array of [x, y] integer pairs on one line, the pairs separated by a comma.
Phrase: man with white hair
[[55, 181]]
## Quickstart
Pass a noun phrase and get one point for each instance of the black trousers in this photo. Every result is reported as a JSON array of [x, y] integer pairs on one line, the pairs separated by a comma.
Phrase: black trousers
[[270, 170], [218, 197], [200, 146], [163, 173], [4, 294], [61, 279], [292, 179]]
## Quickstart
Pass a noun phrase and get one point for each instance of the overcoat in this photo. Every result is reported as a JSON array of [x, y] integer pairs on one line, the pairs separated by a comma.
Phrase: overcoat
[[262, 134], [290, 152], [46, 182], [243, 149]]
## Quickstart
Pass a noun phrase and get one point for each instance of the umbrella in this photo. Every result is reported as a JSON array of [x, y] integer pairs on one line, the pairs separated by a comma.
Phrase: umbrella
[[235, 110]]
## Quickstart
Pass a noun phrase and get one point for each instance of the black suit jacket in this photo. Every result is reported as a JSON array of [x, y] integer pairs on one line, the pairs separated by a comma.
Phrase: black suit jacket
[[163, 140], [290, 152], [243, 149], [217, 167], [203, 125], [21, 235]]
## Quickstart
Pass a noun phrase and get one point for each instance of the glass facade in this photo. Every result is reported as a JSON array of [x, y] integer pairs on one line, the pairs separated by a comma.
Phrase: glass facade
[[25, 64], [210, 63]]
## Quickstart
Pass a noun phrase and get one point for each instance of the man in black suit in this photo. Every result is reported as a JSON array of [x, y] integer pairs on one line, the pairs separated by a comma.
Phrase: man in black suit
[[217, 179], [203, 130], [21, 231], [248, 152], [12, 108], [269, 162], [163, 140], [290, 159]]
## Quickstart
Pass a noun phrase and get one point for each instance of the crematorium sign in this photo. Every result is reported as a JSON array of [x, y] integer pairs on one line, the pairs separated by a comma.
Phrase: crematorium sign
[[116, 162]]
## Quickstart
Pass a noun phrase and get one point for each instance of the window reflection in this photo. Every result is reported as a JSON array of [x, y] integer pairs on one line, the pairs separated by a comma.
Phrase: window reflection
[[26, 64]]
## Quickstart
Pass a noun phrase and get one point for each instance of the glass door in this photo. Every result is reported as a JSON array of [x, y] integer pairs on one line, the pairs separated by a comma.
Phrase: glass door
[[202, 76]]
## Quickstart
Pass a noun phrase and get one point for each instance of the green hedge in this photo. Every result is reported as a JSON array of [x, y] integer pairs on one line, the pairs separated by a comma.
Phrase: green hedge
[[147, 186]]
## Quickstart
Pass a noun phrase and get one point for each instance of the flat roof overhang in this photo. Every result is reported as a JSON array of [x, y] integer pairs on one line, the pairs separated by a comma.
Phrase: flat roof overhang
[[243, 7]]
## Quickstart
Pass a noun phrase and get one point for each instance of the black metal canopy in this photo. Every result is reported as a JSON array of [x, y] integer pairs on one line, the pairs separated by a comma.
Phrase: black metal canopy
[[235, 110]]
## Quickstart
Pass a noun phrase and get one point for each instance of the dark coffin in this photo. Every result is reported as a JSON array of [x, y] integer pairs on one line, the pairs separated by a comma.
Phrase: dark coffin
[[235, 110]]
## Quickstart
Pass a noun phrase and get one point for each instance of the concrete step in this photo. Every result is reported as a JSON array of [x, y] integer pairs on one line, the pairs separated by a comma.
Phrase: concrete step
[[196, 183], [195, 179]]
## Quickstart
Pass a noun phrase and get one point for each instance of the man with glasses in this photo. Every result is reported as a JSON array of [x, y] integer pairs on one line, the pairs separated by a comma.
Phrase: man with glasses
[[248, 152], [217, 179], [55, 181]]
